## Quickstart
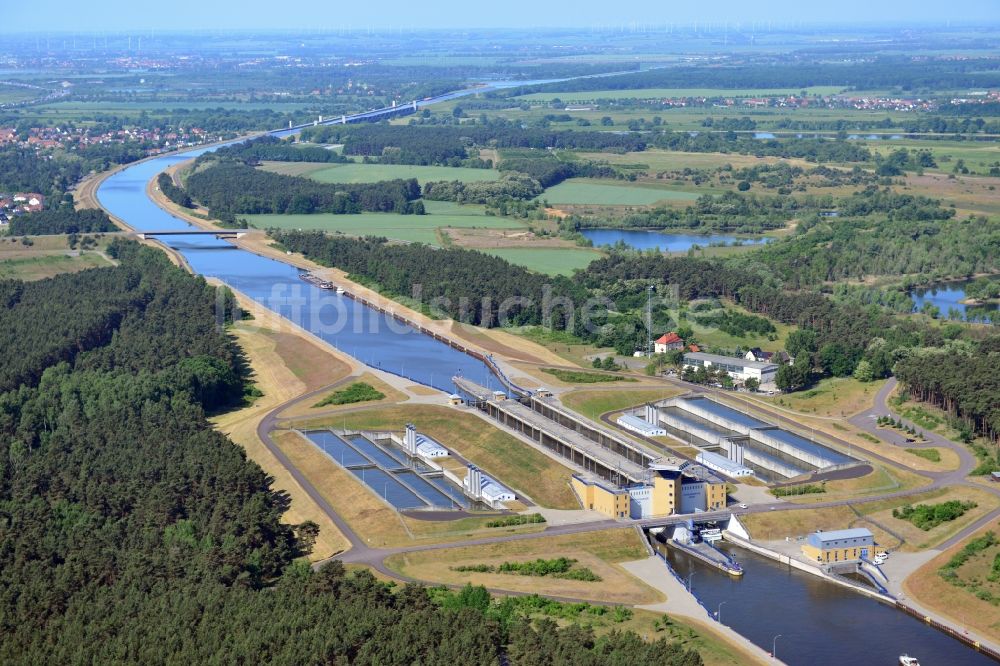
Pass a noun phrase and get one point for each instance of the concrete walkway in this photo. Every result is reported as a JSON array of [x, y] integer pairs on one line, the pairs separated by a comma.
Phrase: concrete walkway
[[681, 603]]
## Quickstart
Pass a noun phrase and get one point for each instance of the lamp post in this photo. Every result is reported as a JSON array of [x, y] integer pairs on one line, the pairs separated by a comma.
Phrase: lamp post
[[718, 613], [774, 646]]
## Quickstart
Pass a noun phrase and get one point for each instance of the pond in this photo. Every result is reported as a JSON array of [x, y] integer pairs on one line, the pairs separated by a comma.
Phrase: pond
[[947, 297], [642, 239]]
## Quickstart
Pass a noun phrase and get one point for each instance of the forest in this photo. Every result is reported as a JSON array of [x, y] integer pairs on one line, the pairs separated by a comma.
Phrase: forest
[[135, 533], [963, 382], [61, 220], [229, 188]]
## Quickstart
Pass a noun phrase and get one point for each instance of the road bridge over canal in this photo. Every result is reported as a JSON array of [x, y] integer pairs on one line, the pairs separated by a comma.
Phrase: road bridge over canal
[[218, 233]]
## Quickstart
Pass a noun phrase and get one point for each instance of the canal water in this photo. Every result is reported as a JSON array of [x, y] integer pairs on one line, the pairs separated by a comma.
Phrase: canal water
[[819, 623], [947, 296], [373, 338], [641, 239]]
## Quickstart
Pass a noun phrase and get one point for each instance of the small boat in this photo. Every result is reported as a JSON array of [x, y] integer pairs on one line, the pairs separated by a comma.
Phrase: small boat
[[340, 290], [907, 660]]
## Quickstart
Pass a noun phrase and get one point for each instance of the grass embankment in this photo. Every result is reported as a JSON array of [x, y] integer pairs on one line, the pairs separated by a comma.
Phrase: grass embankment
[[582, 377], [498, 453], [956, 593], [882, 479], [284, 364], [594, 403], [354, 393], [878, 517], [598, 551], [832, 396], [388, 396], [373, 173]]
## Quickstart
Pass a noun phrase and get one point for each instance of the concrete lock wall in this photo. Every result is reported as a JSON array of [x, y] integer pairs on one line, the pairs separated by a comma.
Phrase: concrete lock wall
[[704, 434], [805, 456], [769, 463], [693, 407]]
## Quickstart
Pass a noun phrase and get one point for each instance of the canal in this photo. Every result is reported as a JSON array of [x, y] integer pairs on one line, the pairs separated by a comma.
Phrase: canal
[[373, 338], [819, 623]]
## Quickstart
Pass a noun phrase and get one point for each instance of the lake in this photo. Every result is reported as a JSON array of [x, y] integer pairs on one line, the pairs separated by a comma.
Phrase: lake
[[642, 239], [947, 297]]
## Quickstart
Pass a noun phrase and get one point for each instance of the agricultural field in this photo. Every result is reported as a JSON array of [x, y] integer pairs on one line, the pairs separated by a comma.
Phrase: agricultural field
[[551, 261], [977, 155], [411, 228], [46, 256], [582, 191], [372, 173], [662, 93], [41, 267], [11, 94]]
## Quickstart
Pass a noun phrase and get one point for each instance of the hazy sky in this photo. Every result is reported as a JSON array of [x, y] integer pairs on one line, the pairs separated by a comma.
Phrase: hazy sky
[[114, 15]]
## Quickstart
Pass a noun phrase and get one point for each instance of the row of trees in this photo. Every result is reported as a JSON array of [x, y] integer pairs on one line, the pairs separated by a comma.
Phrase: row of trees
[[172, 192]]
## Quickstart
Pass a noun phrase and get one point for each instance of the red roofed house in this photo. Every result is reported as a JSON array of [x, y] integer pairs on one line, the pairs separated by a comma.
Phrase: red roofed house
[[666, 342]]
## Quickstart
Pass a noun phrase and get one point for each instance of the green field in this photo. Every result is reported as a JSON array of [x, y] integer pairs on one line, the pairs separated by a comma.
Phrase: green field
[[371, 173], [649, 93], [549, 260], [412, 228], [584, 191], [38, 268]]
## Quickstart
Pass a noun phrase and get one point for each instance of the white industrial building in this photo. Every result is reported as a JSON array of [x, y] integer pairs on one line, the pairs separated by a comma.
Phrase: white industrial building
[[417, 444], [739, 369], [640, 426], [722, 464], [486, 489]]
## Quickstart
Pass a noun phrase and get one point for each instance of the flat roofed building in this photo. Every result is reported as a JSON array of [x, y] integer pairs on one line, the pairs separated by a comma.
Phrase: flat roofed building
[[723, 465], [841, 546], [737, 368], [640, 426]]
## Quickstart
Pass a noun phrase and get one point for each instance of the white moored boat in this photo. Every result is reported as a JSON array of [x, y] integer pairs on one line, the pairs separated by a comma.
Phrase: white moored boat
[[907, 660]]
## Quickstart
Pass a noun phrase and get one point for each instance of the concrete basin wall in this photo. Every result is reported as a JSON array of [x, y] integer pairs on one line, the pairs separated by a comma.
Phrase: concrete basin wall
[[805, 456]]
